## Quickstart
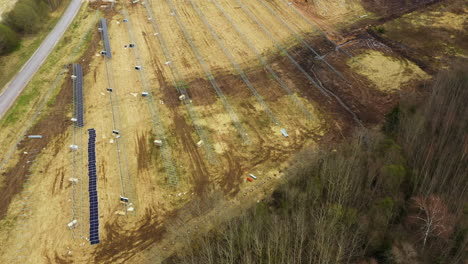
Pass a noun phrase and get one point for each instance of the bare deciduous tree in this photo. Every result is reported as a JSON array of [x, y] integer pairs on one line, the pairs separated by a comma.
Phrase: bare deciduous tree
[[432, 218]]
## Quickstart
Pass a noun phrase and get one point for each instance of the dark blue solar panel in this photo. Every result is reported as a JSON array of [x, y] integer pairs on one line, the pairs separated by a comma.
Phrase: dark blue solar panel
[[92, 188]]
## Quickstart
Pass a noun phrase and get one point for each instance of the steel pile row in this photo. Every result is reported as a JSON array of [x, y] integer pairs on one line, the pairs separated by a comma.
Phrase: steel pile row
[[105, 37], [112, 88], [179, 83], [159, 129]]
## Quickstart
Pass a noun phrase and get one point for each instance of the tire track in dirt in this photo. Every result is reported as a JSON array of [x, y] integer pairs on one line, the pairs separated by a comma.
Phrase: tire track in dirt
[[130, 242], [232, 177], [144, 154], [200, 173], [59, 178]]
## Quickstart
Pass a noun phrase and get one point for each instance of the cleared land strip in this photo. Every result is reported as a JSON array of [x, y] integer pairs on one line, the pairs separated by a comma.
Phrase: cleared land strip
[[234, 64], [265, 64], [206, 69], [158, 126], [312, 24], [120, 146], [322, 89], [177, 80], [298, 37]]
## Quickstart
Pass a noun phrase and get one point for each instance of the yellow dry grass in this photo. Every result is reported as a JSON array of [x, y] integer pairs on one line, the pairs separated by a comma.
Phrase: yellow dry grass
[[437, 34], [446, 20], [338, 8], [5, 6], [385, 72]]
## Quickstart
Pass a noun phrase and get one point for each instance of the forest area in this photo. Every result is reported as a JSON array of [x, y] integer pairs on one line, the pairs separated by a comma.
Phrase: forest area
[[397, 194], [26, 18]]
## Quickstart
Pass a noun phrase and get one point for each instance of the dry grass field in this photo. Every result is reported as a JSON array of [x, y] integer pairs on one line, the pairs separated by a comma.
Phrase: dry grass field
[[240, 98], [5, 6]]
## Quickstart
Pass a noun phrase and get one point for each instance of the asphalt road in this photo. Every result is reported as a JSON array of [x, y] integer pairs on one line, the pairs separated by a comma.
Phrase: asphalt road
[[16, 85]]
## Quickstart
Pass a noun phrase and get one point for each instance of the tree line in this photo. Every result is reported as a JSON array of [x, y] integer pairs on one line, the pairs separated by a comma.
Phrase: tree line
[[393, 196], [26, 17]]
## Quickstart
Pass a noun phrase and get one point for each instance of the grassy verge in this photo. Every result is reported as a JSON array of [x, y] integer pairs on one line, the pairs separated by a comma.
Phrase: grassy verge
[[11, 63], [27, 103]]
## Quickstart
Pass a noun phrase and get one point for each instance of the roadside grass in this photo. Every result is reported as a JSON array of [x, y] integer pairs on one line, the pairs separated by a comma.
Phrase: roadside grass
[[27, 103], [10, 64]]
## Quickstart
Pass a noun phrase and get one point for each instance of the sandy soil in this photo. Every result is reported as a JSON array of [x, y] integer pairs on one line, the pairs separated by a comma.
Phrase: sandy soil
[[125, 238]]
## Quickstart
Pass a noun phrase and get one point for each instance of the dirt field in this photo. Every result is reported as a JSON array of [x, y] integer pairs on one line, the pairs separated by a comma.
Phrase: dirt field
[[38, 200]]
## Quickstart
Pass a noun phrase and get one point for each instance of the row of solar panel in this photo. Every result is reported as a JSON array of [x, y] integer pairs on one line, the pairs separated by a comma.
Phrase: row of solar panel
[[93, 196], [78, 92]]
